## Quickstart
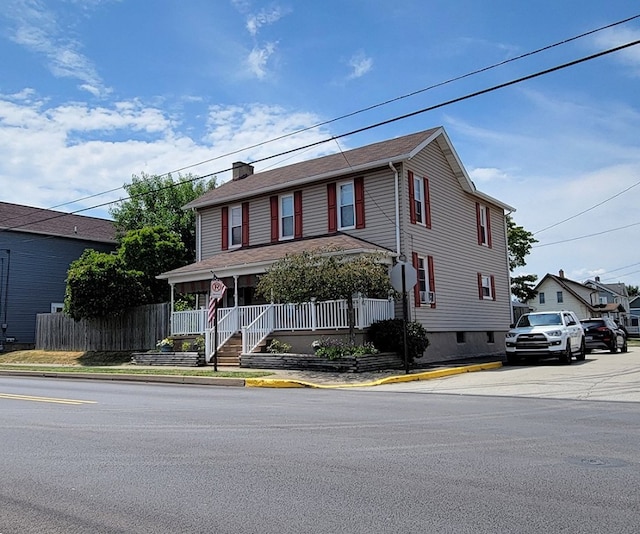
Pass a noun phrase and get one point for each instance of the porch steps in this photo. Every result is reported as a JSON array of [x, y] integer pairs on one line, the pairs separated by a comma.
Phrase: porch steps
[[229, 353]]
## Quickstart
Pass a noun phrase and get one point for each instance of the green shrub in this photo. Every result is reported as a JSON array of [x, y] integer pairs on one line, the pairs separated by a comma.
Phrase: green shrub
[[333, 349], [278, 347], [388, 336]]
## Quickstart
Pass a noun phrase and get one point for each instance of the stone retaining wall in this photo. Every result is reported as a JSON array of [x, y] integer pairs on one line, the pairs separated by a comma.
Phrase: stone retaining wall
[[301, 362]]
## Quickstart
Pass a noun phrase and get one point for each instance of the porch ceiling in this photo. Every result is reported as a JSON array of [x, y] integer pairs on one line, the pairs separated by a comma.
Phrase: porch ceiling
[[256, 260]]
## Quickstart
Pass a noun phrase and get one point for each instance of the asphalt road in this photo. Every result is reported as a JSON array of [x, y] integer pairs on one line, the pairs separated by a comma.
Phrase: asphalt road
[[602, 376], [102, 457]]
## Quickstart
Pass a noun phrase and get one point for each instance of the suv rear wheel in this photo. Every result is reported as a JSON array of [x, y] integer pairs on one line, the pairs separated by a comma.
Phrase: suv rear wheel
[[614, 344], [583, 352]]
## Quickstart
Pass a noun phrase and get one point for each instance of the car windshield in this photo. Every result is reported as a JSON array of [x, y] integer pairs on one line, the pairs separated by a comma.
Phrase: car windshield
[[541, 319]]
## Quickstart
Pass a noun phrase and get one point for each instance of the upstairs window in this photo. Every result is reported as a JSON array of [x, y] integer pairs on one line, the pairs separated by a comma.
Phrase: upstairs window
[[483, 222], [559, 297], [419, 201], [235, 226], [541, 297], [346, 205], [286, 217]]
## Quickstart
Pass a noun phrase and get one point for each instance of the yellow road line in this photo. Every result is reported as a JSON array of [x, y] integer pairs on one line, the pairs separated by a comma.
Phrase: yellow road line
[[44, 399]]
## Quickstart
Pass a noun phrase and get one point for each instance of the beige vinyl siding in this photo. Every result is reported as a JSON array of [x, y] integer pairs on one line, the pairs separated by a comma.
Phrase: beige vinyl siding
[[210, 231], [453, 243]]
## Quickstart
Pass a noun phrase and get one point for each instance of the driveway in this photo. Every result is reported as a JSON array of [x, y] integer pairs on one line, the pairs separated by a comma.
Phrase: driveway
[[602, 376]]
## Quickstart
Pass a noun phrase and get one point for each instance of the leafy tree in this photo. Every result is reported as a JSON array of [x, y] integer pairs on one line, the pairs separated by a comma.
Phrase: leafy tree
[[325, 275], [519, 242], [633, 291], [388, 336], [158, 201], [152, 250], [99, 284]]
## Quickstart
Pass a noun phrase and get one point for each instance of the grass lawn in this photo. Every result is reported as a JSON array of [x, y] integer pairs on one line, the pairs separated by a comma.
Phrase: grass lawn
[[103, 362]]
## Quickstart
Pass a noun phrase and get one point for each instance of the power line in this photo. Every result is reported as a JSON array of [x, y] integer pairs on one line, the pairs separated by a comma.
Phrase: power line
[[586, 236], [588, 209], [381, 104], [376, 125]]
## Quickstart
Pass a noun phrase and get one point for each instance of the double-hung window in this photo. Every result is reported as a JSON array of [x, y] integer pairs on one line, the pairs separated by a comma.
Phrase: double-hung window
[[418, 199], [286, 217], [346, 206], [486, 287], [235, 226], [424, 290], [483, 221]]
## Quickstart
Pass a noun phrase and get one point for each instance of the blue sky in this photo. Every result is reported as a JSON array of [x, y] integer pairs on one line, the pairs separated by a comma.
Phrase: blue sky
[[94, 91]]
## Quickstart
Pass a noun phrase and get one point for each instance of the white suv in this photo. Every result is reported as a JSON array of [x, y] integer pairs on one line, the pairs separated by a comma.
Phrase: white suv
[[552, 334]]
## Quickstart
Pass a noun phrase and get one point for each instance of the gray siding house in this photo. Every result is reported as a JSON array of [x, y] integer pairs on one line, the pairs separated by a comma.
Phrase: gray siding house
[[36, 248], [409, 197]]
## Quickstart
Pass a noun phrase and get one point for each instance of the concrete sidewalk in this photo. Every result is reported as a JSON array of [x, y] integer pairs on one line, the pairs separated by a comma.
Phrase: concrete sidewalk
[[278, 379]]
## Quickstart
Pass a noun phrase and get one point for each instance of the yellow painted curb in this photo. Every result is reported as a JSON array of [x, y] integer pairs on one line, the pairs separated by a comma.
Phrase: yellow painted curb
[[427, 375]]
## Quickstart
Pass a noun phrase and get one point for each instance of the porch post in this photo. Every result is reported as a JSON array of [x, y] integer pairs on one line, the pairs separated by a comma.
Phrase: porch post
[[360, 312], [235, 302], [171, 311], [314, 318]]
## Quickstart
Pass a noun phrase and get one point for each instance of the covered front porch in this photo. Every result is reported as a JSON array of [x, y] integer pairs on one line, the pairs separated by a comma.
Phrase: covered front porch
[[256, 323]]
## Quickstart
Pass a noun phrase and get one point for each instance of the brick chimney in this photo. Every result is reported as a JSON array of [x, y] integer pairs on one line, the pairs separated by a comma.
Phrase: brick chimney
[[241, 170], [561, 273]]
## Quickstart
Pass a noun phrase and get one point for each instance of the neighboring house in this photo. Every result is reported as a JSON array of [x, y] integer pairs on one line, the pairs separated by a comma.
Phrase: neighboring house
[[408, 197], [556, 292], [36, 248], [611, 294], [634, 316]]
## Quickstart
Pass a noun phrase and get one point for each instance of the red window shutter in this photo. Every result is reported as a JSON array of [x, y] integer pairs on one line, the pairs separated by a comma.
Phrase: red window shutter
[[432, 277], [225, 228], [275, 226], [358, 185], [478, 226], [245, 224], [412, 199], [487, 211], [332, 208], [297, 214], [416, 288], [480, 293], [427, 202], [493, 287]]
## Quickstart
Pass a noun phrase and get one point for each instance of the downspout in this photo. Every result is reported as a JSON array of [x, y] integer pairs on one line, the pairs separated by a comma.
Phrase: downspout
[[397, 199]]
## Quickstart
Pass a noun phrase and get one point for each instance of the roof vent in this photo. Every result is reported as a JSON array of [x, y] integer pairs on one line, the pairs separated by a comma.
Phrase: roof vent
[[241, 170]]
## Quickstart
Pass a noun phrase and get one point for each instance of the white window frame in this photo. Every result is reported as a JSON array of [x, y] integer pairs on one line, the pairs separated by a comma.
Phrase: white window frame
[[342, 205], [235, 210], [57, 307], [541, 297], [487, 294], [427, 296], [559, 297], [484, 230], [418, 200], [283, 216]]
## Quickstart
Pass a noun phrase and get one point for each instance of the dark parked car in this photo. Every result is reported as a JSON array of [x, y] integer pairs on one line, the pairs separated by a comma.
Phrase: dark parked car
[[604, 333]]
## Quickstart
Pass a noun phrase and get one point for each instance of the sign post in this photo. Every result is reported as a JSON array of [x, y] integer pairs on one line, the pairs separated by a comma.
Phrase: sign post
[[403, 277], [217, 291]]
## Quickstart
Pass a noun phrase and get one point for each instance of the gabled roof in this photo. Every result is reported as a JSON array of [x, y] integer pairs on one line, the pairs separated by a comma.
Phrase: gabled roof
[[360, 159], [571, 286], [19, 218], [618, 289], [254, 260]]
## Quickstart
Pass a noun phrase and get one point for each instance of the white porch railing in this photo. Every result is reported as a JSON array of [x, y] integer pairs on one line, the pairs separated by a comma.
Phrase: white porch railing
[[257, 322]]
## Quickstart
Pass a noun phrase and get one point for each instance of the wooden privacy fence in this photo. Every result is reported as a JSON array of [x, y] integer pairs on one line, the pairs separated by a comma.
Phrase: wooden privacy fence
[[137, 329]]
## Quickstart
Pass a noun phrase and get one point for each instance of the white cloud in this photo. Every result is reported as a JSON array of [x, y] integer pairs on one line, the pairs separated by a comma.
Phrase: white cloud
[[614, 37], [36, 28], [263, 18], [258, 58], [53, 155], [360, 64]]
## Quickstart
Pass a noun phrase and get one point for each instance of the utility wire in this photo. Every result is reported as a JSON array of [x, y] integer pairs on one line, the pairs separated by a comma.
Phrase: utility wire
[[381, 104], [375, 125]]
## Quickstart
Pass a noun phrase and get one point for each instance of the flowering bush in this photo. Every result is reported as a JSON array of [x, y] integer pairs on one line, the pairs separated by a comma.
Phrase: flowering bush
[[333, 349], [278, 347], [166, 342]]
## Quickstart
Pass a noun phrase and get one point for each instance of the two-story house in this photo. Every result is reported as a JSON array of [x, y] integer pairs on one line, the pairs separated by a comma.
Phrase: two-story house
[[37, 247], [588, 299], [409, 197]]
